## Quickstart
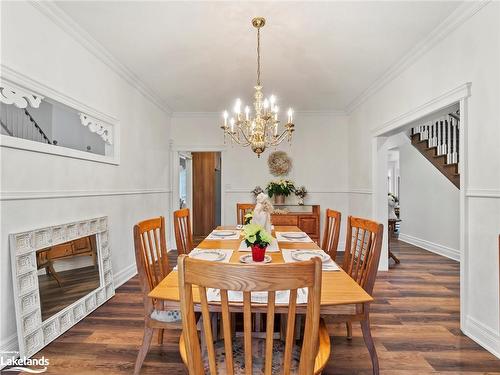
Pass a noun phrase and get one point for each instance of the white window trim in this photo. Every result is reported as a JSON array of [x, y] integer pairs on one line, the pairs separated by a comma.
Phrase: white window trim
[[15, 78]]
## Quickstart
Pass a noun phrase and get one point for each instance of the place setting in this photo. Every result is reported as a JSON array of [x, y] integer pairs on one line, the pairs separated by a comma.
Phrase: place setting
[[224, 234], [211, 255], [300, 255], [293, 237]]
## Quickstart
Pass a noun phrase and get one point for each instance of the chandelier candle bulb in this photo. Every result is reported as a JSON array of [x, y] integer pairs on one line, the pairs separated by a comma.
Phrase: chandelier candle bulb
[[290, 115], [225, 114], [232, 124], [247, 113], [266, 103]]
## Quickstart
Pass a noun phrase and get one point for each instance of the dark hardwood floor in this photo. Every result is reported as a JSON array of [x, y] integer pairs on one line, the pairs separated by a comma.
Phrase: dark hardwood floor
[[415, 324]]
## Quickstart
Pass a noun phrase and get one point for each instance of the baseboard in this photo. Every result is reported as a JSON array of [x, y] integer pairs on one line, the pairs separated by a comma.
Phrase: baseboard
[[445, 251], [7, 346], [121, 277], [483, 335]]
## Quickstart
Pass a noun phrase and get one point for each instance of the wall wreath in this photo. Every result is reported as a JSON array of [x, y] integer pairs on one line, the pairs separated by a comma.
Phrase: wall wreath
[[279, 163]]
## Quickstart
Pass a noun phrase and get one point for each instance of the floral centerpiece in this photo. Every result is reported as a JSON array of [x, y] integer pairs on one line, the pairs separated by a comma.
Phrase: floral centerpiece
[[300, 193], [280, 189], [257, 239]]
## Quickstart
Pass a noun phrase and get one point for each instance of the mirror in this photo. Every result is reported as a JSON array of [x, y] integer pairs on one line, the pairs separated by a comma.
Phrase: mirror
[[60, 275], [66, 273]]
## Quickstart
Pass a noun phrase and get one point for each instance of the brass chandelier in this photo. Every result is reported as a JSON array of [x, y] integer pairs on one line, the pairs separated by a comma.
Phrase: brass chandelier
[[263, 129]]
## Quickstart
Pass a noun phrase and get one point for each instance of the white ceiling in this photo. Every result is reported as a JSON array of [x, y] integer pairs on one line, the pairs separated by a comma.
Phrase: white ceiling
[[200, 56]]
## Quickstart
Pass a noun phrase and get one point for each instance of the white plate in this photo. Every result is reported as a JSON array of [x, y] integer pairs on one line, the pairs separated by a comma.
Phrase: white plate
[[293, 236], [301, 255], [224, 233], [248, 259], [212, 255]]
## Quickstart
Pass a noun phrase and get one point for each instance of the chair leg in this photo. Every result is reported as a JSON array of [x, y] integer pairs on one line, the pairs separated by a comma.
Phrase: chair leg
[[146, 343], [367, 336], [348, 326], [160, 336]]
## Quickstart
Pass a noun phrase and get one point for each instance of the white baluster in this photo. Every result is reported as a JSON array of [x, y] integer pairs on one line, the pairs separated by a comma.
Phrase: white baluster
[[455, 133], [438, 137], [448, 140]]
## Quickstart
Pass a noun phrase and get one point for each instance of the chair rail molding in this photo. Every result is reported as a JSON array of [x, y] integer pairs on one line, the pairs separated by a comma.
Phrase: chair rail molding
[[51, 194]]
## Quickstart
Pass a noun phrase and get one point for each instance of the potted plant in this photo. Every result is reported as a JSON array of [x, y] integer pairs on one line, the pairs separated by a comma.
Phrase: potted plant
[[280, 189], [300, 193], [257, 239]]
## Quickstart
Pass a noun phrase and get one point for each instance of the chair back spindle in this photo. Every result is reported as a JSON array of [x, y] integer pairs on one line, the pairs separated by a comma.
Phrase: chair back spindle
[[241, 210], [332, 232], [151, 255], [183, 233], [252, 278], [362, 251]]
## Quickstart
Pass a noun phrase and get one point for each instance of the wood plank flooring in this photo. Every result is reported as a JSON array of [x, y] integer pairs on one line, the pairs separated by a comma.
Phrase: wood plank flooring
[[415, 325]]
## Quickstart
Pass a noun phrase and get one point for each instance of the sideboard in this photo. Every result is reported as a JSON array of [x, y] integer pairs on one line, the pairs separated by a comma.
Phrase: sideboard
[[305, 217]]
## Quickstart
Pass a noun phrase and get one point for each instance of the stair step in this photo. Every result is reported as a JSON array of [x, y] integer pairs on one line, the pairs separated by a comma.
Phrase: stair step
[[451, 164]]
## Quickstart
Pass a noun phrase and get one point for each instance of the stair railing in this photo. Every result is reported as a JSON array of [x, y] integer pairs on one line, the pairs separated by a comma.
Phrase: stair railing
[[18, 122], [442, 133]]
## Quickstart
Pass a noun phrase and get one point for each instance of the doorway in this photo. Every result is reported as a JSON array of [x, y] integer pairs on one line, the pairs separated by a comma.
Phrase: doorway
[[206, 195], [381, 143]]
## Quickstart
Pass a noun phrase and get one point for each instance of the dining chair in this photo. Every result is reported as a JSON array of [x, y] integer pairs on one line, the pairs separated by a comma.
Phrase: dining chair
[[332, 232], [247, 354], [361, 260], [183, 233], [152, 267], [241, 210]]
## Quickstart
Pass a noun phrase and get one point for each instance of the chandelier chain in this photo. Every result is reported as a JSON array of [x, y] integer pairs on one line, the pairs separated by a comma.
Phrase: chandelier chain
[[258, 56]]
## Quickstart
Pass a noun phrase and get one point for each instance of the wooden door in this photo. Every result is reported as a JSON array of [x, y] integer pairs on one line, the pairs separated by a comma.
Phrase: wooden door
[[204, 164]]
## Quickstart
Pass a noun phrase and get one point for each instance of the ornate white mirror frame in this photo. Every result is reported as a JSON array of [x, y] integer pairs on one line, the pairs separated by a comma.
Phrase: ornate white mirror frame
[[33, 333], [22, 91]]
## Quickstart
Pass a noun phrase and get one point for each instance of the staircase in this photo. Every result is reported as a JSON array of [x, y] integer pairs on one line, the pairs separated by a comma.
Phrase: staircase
[[438, 141], [18, 122]]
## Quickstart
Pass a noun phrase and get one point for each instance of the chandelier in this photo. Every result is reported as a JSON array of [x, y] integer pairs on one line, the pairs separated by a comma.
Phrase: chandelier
[[263, 128]]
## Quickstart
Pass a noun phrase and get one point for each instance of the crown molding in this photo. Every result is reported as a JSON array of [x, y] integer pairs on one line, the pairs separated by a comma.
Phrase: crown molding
[[455, 19], [69, 25], [219, 114]]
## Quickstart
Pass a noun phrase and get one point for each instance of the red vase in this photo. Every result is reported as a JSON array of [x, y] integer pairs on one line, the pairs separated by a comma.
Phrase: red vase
[[258, 253]]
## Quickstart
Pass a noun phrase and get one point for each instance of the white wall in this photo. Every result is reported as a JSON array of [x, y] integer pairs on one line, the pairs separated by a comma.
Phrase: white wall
[[470, 53], [318, 152], [134, 190], [429, 205]]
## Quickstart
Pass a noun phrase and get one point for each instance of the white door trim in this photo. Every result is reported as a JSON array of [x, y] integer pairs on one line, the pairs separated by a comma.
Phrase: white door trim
[[459, 94]]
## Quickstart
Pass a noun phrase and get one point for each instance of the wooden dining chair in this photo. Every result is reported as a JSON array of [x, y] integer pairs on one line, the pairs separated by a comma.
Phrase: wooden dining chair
[[241, 210], [361, 259], [332, 232], [249, 355], [152, 267], [183, 233]]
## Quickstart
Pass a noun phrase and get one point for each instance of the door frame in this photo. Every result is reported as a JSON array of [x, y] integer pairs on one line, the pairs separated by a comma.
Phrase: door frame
[[380, 136], [175, 152]]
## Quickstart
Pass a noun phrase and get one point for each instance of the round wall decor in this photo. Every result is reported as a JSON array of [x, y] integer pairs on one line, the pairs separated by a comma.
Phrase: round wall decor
[[279, 163]]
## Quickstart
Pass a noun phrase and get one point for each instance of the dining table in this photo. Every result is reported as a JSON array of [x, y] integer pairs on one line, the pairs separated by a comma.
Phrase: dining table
[[339, 291]]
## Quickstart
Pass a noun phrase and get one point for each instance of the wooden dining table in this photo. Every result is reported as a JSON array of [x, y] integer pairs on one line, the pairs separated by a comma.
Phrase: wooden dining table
[[338, 289]]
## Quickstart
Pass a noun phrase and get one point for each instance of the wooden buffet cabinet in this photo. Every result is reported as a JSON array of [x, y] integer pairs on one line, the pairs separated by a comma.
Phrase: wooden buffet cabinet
[[305, 217]]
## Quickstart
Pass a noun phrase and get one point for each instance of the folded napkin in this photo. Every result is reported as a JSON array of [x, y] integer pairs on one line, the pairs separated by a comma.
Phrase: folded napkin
[[235, 236], [329, 265], [194, 252], [281, 238], [272, 248], [282, 296]]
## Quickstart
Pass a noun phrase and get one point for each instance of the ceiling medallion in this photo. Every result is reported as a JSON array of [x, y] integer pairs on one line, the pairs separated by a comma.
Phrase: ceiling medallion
[[263, 128]]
